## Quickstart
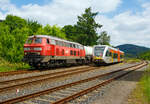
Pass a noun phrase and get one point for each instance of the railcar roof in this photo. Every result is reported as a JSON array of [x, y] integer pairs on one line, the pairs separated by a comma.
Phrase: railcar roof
[[55, 38], [109, 47]]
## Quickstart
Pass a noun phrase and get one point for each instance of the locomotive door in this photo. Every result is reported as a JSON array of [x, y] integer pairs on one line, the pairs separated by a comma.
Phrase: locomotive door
[[48, 47]]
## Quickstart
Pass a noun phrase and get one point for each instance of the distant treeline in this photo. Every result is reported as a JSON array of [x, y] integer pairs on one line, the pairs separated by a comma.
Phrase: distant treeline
[[145, 55], [15, 30]]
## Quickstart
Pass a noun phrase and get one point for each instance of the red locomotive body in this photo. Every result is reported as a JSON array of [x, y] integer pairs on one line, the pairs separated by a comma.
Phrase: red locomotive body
[[43, 50]]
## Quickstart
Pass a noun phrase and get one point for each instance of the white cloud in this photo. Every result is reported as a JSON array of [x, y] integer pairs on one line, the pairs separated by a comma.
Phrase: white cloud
[[59, 12], [104, 6], [123, 28], [126, 28]]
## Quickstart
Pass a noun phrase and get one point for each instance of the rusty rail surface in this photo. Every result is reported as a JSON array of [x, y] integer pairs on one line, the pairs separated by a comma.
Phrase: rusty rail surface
[[17, 72], [22, 98]]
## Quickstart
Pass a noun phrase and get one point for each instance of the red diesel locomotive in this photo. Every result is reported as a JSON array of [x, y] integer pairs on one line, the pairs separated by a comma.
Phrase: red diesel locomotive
[[43, 50]]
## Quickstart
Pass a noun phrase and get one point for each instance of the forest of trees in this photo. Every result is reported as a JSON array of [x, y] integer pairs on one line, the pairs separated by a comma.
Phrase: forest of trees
[[15, 30]]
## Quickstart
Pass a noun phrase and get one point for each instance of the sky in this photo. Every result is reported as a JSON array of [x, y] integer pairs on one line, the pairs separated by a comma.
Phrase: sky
[[126, 21]]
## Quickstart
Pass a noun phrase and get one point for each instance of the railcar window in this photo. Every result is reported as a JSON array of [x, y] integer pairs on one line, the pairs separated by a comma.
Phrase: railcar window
[[56, 42], [110, 54], [82, 47], [38, 40], [68, 45], [71, 52], [115, 55], [71, 45], [75, 53], [78, 53], [65, 44], [74, 46], [98, 51], [53, 42], [60, 43], [107, 53]]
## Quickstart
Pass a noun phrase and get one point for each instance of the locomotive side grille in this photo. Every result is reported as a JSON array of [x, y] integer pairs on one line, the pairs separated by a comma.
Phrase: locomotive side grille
[[32, 55]]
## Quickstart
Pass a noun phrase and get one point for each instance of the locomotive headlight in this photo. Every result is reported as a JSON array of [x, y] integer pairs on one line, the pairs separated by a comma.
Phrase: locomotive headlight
[[38, 49], [26, 49]]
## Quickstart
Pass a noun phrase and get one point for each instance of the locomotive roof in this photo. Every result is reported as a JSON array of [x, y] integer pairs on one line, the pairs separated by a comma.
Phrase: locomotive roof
[[53, 37], [110, 48]]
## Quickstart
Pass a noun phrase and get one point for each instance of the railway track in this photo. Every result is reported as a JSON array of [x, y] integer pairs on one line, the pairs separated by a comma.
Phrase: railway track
[[22, 82], [26, 71], [67, 92]]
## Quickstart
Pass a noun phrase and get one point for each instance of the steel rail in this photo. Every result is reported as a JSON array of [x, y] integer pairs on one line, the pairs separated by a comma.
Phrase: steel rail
[[17, 72], [25, 97]]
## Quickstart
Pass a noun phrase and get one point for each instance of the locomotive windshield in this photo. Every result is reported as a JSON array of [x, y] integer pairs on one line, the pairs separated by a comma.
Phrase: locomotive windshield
[[34, 40], [98, 51]]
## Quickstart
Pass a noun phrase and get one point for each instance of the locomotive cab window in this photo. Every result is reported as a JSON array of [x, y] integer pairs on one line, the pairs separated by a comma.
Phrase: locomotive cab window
[[29, 41], [34, 40], [38, 40]]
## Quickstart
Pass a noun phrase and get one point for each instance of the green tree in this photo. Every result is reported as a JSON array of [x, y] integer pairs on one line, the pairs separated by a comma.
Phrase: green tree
[[33, 26], [15, 22], [52, 31], [104, 39], [13, 33], [71, 32], [87, 27]]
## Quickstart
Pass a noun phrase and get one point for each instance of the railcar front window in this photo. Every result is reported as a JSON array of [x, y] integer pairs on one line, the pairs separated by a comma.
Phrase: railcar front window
[[98, 51], [38, 40]]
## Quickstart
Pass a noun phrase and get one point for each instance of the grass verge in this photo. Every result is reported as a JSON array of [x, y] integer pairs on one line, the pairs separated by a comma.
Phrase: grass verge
[[132, 60], [7, 66], [141, 95]]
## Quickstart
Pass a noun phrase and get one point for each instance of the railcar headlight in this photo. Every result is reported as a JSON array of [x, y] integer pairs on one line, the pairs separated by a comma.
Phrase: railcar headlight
[[38, 49], [26, 49]]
